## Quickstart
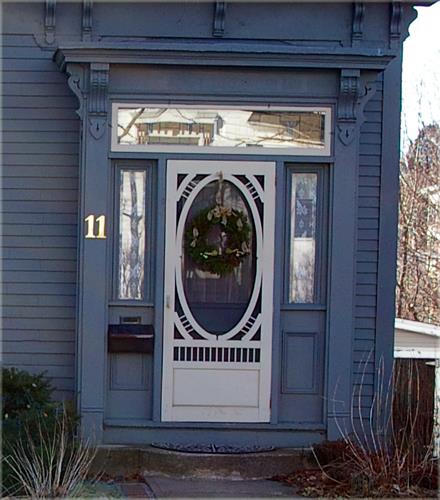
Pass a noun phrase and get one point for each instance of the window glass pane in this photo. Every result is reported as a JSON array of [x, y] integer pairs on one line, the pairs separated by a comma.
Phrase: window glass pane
[[236, 128], [219, 302], [131, 234], [303, 237]]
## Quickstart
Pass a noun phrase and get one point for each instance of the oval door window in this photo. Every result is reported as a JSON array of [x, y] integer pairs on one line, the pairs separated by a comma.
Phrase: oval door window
[[218, 301]]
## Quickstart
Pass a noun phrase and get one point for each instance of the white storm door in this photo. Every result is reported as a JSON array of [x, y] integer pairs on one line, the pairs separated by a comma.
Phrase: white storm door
[[218, 324]]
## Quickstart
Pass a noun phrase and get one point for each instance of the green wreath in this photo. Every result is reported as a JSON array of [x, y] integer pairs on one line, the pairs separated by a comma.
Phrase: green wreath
[[218, 259]]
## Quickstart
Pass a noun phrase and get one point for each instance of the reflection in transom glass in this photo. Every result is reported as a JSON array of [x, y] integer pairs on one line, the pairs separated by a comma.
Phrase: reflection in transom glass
[[218, 301], [238, 128]]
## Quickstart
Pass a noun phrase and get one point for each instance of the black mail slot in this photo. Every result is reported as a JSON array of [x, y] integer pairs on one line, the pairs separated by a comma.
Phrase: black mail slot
[[131, 338]]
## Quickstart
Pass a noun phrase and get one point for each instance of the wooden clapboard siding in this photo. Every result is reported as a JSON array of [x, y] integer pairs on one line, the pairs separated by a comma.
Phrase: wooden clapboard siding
[[368, 195], [40, 200]]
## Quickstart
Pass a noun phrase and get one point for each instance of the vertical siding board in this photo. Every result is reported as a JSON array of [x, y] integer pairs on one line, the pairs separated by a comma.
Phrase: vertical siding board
[[40, 146], [389, 198]]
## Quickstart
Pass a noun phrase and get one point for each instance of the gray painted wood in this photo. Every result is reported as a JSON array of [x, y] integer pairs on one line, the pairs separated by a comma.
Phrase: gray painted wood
[[39, 224], [130, 431], [341, 283], [302, 327], [130, 386], [387, 242], [367, 256]]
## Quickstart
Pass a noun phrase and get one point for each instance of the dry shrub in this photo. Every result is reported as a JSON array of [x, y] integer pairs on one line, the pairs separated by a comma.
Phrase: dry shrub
[[384, 454], [48, 460]]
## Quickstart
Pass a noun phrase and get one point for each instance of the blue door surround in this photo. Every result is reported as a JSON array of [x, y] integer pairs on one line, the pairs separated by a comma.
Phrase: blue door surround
[[347, 91]]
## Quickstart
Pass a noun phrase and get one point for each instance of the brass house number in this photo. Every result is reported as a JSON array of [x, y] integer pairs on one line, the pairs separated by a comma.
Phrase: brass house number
[[91, 221]]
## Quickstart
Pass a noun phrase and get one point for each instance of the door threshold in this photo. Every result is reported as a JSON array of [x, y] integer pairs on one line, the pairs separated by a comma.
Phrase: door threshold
[[138, 423]]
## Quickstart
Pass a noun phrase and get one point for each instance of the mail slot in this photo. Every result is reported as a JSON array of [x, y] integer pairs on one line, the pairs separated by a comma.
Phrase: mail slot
[[131, 338]]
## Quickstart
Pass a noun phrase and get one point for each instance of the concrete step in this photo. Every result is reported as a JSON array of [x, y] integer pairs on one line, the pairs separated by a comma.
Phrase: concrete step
[[149, 461], [170, 487]]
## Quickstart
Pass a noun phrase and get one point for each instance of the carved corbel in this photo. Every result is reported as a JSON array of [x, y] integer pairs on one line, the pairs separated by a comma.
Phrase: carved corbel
[[97, 99], [49, 22], [351, 104], [219, 19], [357, 29], [348, 97], [395, 24], [87, 20]]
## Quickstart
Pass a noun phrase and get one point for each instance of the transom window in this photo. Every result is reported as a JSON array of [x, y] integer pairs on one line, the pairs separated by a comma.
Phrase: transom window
[[257, 129]]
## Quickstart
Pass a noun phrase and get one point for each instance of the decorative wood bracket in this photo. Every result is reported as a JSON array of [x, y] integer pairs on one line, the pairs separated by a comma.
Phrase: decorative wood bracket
[[370, 90], [351, 103], [97, 99], [219, 19], [395, 24], [358, 23], [49, 22], [347, 103], [87, 20], [75, 82]]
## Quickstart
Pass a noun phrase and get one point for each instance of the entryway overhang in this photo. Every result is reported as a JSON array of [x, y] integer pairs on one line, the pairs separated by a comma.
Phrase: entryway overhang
[[226, 53]]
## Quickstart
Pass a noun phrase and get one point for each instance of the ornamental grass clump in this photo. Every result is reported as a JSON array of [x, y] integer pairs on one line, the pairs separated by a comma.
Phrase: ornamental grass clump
[[42, 457], [49, 462]]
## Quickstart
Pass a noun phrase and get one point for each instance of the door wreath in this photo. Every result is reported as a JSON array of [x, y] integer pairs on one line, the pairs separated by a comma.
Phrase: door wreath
[[234, 239]]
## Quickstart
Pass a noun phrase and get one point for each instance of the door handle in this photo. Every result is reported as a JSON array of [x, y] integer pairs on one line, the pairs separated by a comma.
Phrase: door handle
[[168, 302]]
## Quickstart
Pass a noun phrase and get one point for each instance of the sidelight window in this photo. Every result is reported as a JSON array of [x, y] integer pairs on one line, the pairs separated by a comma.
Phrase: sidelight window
[[132, 225], [305, 234]]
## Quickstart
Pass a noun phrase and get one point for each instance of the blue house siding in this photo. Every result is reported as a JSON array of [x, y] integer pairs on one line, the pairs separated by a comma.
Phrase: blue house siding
[[367, 256], [40, 205]]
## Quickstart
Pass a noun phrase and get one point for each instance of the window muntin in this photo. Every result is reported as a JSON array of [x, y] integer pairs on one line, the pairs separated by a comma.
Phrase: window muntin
[[132, 225], [258, 129]]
